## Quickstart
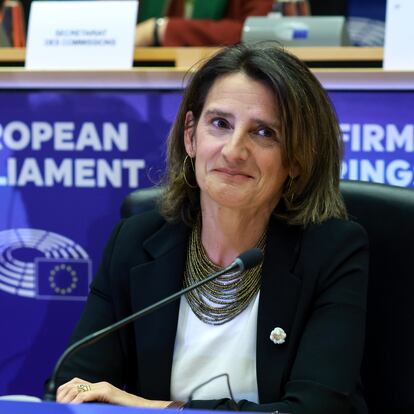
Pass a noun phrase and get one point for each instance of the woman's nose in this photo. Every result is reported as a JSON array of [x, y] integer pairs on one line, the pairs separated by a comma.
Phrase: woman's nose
[[235, 149]]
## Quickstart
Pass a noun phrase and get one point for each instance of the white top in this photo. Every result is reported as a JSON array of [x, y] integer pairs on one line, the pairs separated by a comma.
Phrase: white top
[[203, 351]]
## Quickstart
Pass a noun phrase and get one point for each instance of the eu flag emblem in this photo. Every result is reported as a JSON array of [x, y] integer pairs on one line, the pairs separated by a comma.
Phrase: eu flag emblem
[[64, 279]]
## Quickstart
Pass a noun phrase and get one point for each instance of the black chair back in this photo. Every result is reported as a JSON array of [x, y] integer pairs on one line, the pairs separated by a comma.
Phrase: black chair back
[[387, 214]]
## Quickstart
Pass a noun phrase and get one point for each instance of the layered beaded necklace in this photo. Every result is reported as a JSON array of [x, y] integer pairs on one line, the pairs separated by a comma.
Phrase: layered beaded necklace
[[222, 299]]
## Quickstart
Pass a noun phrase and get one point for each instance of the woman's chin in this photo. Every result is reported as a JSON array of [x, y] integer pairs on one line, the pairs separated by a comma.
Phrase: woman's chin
[[231, 198]]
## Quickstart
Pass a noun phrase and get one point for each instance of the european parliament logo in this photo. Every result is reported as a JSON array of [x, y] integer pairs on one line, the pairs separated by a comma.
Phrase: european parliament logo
[[43, 265]]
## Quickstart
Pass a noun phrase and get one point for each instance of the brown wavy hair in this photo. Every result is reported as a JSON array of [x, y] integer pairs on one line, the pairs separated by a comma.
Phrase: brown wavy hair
[[310, 136]]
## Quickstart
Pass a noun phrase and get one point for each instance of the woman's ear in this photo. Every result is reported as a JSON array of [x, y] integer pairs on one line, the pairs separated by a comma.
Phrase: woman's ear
[[189, 134]]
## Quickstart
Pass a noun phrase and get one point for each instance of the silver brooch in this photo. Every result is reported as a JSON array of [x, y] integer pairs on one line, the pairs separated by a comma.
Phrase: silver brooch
[[278, 336]]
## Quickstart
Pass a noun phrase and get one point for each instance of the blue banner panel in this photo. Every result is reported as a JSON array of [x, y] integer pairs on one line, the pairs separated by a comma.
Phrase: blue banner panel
[[67, 160], [378, 132]]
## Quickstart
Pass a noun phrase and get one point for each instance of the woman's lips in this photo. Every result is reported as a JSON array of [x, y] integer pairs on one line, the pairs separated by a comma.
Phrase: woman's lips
[[233, 173]]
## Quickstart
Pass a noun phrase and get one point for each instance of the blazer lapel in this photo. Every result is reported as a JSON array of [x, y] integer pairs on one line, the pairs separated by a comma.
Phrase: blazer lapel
[[279, 294], [155, 332], [162, 275]]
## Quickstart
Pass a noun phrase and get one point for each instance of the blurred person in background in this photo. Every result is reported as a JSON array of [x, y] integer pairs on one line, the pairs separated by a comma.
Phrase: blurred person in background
[[201, 22], [12, 24]]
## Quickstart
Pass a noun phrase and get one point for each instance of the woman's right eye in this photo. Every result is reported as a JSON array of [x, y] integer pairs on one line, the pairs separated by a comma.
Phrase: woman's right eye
[[220, 123]]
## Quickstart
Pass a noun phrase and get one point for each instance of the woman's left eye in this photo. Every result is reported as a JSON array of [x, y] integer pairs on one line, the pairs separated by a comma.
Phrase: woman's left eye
[[266, 133]]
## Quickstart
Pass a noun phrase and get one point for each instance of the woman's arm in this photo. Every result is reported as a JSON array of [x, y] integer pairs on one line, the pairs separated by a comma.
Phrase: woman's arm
[[79, 390], [106, 359]]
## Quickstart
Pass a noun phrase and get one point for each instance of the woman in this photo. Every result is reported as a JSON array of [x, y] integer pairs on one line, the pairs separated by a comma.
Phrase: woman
[[253, 160]]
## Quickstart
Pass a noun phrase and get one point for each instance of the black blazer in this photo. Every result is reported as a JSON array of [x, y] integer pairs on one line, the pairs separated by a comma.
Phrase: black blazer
[[313, 286]]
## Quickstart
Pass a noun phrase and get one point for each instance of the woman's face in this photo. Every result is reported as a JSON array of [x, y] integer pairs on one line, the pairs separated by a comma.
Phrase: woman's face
[[236, 146]]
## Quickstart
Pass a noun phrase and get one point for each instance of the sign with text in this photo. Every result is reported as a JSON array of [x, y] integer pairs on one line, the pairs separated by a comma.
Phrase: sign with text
[[81, 34], [399, 35]]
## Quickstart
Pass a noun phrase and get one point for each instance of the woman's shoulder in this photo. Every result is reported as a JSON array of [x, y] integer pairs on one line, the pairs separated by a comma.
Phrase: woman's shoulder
[[330, 232], [336, 230], [134, 239], [143, 224], [139, 227], [332, 242], [136, 231]]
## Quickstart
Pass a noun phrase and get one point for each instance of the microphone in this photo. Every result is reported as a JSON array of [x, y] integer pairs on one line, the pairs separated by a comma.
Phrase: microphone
[[250, 258]]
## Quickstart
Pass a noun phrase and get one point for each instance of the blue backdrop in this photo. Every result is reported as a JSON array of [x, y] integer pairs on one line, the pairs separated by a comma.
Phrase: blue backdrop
[[68, 158]]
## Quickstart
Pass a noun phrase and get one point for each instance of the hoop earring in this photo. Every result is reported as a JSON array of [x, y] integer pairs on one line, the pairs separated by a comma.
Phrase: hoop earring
[[184, 170]]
